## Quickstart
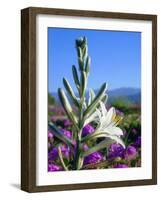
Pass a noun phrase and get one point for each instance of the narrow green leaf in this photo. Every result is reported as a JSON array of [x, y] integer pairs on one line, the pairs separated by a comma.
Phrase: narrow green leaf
[[83, 82], [64, 101], [70, 92], [81, 64], [80, 163], [104, 144], [75, 76], [105, 98], [79, 52], [91, 96], [84, 52], [96, 100], [114, 138], [67, 107], [59, 134], [92, 93], [89, 137], [88, 61]]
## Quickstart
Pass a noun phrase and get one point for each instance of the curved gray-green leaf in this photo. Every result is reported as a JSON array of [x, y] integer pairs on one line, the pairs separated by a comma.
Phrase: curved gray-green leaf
[[67, 107], [104, 144], [70, 92], [75, 76], [96, 134], [59, 134], [81, 64], [91, 96], [61, 159], [104, 98], [83, 83], [79, 52], [85, 52], [87, 65], [96, 100]]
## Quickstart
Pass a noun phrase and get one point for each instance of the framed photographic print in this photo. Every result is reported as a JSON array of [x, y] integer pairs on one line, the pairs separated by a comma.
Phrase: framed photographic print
[[89, 99]]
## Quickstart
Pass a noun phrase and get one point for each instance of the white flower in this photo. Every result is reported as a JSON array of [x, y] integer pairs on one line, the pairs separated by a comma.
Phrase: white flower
[[91, 118], [107, 124]]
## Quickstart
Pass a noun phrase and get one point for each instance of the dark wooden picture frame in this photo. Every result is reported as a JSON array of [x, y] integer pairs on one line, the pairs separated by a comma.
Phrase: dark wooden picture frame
[[28, 98]]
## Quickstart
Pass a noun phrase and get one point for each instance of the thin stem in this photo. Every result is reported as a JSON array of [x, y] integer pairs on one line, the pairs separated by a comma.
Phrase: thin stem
[[61, 159], [79, 135], [78, 144], [127, 135]]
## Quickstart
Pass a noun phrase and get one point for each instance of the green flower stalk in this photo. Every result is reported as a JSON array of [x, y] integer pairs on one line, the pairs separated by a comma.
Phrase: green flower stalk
[[88, 110]]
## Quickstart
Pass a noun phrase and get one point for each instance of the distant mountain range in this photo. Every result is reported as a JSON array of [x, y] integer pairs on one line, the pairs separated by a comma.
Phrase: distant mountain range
[[124, 91], [132, 95]]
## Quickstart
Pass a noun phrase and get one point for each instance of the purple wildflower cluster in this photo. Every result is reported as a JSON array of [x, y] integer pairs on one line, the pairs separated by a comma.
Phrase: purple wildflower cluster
[[93, 158], [53, 152], [116, 155], [88, 129], [54, 168], [117, 151]]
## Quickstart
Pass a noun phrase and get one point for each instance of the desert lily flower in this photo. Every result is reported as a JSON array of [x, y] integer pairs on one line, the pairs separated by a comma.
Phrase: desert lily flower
[[107, 124]]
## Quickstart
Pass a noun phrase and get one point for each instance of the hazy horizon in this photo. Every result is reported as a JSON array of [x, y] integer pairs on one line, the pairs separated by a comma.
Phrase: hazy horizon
[[137, 88]]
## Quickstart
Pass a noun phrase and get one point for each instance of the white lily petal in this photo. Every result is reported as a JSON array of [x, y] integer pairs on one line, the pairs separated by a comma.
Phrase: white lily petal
[[109, 115], [99, 114], [113, 130], [91, 118], [103, 108], [117, 139]]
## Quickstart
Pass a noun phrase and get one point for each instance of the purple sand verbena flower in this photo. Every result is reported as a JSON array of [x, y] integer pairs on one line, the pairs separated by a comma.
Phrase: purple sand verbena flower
[[53, 168], [138, 142], [67, 122], [130, 152], [67, 133], [49, 145], [121, 166], [53, 118], [53, 154], [115, 150], [65, 150], [50, 135], [93, 158], [88, 129]]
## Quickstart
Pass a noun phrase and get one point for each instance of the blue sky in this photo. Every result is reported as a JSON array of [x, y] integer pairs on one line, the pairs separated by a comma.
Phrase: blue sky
[[115, 57]]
